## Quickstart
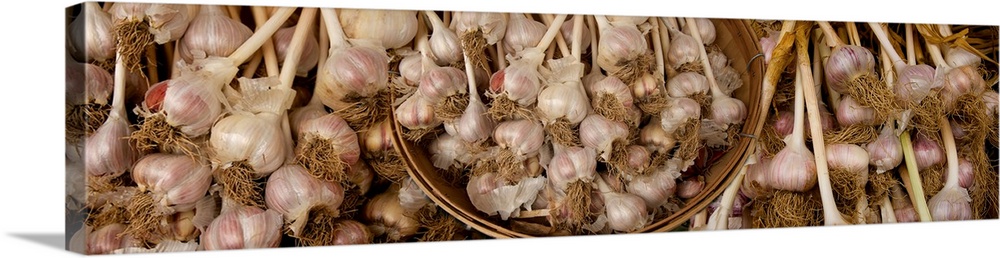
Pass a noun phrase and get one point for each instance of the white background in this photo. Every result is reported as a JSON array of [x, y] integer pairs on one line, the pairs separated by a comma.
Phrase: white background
[[31, 92]]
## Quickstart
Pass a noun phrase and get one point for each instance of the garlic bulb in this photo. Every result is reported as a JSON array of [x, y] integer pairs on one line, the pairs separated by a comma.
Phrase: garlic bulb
[[108, 238], [627, 20], [618, 44], [612, 86], [914, 82], [926, 151], [333, 131], [212, 33], [310, 50], [958, 57], [445, 47], [687, 84], [960, 81], [360, 70], [108, 151], [728, 111], [490, 195], [300, 116], [768, 43], [377, 139], [678, 112], [360, 175], [707, 29], [193, 101], [351, 232], [416, 112], [449, 151], [716, 59], [567, 33], [493, 25], [522, 33], [792, 169], [847, 63], [654, 188], [645, 86], [294, 193], [91, 35], [598, 132], [886, 152], [571, 165], [410, 67], [475, 124], [87, 83], [411, 197], [683, 49], [387, 216], [523, 137], [728, 80], [167, 22], [389, 28], [966, 173], [850, 112], [440, 82], [256, 139], [951, 203], [690, 188], [756, 178], [175, 182], [563, 96], [626, 212], [522, 83], [848, 157], [652, 135], [243, 227]]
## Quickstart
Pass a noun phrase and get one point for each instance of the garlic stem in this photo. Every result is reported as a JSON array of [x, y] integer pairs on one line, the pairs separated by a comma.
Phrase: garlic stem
[[695, 32], [797, 139], [270, 57], [728, 197], [118, 93], [945, 30], [911, 57], [577, 37], [560, 41], [780, 58], [296, 46], [852, 33], [817, 67], [936, 56], [824, 54], [831, 215], [951, 151], [334, 29], [471, 75], [883, 39], [701, 218], [324, 43], [554, 29], [664, 36], [501, 55], [887, 73], [832, 39], [174, 71], [658, 47], [263, 34], [602, 23], [254, 63], [888, 213], [915, 186]]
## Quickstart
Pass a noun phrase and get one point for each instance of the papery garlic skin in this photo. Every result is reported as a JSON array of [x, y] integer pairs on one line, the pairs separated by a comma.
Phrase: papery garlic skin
[[683, 49], [390, 28], [310, 50], [847, 63], [613, 86], [728, 111], [951, 204], [243, 227], [960, 81], [475, 124], [411, 197], [108, 238], [626, 212], [335, 129], [212, 33], [193, 101], [792, 169], [300, 116], [417, 112], [522, 84], [440, 82], [690, 188], [567, 101], [445, 47], [351, 232], [410, 67], [175, 181], [958, 57], [94, 82], [91, 35], [256, 139], [926, 151], [707, 29], [914, 82], [293, 192]]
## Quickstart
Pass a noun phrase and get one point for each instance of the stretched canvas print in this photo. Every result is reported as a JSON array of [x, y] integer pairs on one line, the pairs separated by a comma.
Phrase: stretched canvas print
[[208, 127]]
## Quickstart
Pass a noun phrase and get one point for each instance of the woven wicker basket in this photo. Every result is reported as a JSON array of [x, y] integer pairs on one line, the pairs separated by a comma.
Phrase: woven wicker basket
[[735, 38]]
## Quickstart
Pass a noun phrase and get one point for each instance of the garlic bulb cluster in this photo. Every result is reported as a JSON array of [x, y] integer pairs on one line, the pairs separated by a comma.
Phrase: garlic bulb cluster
[[522, 33], [571, 165], [449, 151], [192, 102], [625, 212], [360, 70], [564, 96], [886, 152], [212, 33], [445, 46], [618, 45], [90, 35]]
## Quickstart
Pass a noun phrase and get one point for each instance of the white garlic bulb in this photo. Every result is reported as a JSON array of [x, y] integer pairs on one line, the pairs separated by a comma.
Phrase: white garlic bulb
[[91, 35], [243, 227], [493, 25], [108, 150], [707, 29], [654, 188], [886, 152], [390, 28], [294, 192], [522, 33], [683, 49], [617, 44], [310, 50], [167, 22], [361, 70], [567, 33], [678, 112], [416, 112], [523, 137], [212, 33], [653, 136], [448, 151], [846, 64], [193, 101], [598, 132], [850, 112], [626, 212], [849, 157], [445, 45], [687, 84], [256, 139], [957, 57], [176, 182], [571, 165]]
